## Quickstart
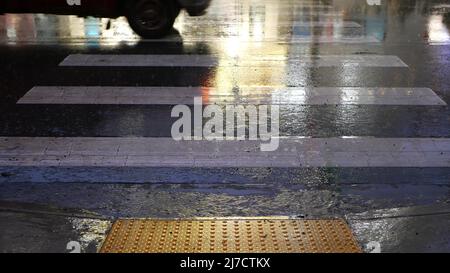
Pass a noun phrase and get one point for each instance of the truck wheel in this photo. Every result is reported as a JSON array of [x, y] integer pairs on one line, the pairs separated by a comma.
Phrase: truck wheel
[[152, 18]]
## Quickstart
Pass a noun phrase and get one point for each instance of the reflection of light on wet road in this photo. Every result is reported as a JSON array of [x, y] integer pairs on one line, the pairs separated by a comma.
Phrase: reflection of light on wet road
[[437, 31], [247, 21], [248, 37], [90, 31]]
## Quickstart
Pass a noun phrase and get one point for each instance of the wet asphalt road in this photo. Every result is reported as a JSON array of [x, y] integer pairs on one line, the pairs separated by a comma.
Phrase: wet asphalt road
[[405, 208]]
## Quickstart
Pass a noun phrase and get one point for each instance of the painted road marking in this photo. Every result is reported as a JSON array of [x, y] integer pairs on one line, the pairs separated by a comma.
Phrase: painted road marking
[[283, 15], [295, 39], [246, 95], [313, 24], [291, 39], [344, 24], [166, 152], [295, 13], [136, 60]]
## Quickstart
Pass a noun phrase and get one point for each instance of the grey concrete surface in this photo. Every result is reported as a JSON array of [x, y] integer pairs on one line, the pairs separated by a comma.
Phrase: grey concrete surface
[[31, 228]]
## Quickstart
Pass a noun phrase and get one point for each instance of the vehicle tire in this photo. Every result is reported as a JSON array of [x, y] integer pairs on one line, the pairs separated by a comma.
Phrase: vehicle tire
[[152, 18]]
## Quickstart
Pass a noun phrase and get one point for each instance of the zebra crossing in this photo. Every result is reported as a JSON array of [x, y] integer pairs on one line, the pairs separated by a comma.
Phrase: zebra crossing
[[171, 95], [294, 151]]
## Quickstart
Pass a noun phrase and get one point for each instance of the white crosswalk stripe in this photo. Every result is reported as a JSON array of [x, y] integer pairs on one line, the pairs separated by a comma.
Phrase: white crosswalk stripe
[[309, 24], [139, 60], [295, 39], [248, 95], [158, 152]]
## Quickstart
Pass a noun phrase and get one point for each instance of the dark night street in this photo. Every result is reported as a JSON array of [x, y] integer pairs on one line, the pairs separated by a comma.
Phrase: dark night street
[[86, 123]]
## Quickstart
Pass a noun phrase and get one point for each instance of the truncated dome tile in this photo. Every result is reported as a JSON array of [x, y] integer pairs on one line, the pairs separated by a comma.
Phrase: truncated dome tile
[[265, 235]]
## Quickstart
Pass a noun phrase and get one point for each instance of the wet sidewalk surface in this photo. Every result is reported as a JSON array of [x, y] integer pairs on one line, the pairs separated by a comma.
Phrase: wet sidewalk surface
[[362, 91]]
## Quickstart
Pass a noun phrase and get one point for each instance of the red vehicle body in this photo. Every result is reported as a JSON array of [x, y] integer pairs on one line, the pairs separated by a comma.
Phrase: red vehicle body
[[148, 18]]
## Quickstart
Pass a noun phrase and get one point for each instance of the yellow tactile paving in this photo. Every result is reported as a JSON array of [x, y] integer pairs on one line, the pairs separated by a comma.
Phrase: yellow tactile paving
[[232, 235]]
